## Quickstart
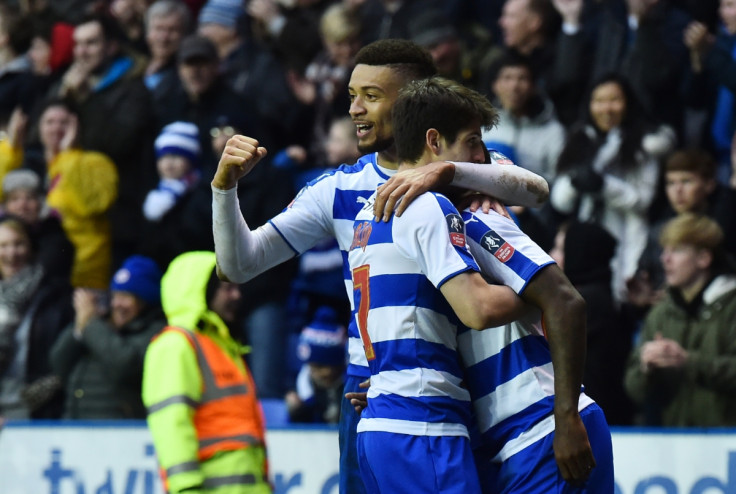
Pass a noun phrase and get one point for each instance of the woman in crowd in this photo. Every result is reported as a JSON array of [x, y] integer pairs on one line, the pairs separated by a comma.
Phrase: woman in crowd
[[82, 186], [609, 168], [34, 308]]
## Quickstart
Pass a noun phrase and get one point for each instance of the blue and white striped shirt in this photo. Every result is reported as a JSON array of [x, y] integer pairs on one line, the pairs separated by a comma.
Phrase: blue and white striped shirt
[[409, 330], [509, 369], [332, 201]]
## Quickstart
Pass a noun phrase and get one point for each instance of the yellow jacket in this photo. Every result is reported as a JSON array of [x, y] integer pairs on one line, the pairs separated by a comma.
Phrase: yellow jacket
[[10, 159], [83, 185]]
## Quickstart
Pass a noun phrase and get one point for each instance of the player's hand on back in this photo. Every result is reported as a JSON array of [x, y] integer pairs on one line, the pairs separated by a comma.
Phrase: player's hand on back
[[241, 154], [401, 189]]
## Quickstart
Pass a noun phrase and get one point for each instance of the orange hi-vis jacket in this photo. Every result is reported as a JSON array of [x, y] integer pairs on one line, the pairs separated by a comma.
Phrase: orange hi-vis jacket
[[227, 416]]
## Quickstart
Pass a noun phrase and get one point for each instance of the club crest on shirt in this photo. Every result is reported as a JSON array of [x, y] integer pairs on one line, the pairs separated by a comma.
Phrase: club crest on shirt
[[496, 245], [457, 229], [361, 234]]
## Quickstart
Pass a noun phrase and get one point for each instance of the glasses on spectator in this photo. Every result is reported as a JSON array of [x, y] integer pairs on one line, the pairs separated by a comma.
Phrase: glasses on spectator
[[226, 131]]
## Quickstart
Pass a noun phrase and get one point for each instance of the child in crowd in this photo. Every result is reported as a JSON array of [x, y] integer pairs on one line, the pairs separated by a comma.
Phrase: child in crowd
[[177, 158], [319, 385], [178, 215]]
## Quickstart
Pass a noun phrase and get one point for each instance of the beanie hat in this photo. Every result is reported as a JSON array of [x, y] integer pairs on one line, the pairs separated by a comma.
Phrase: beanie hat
[[181, 139], [223, 12], [323, 340], [140, 276]]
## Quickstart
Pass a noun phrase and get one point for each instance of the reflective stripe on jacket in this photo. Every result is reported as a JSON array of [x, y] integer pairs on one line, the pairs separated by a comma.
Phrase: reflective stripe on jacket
[[228, 415]]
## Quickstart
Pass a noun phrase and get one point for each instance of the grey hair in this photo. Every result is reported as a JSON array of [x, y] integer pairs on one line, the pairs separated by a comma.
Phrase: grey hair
[[21, 179], [162, 8]]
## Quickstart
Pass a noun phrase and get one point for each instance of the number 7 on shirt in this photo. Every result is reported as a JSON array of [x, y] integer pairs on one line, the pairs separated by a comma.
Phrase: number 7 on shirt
[[361, 283]]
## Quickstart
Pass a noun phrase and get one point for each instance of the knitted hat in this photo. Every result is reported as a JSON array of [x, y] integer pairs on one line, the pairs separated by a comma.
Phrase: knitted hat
[[223, 12], [323, 340], [140, 276], [181, 139]]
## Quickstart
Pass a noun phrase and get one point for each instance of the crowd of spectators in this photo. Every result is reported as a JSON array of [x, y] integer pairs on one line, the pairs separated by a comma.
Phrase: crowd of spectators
[[114, 113]]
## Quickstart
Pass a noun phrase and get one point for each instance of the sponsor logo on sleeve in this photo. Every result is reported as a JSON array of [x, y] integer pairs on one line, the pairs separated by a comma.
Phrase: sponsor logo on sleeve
[[496, 245], [457, 229]]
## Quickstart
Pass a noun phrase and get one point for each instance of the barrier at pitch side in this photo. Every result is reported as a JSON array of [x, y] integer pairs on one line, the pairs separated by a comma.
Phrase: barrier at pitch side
[[118, 458]]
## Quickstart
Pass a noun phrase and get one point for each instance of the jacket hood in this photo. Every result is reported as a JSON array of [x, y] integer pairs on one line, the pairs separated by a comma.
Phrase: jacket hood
[[183, 292]]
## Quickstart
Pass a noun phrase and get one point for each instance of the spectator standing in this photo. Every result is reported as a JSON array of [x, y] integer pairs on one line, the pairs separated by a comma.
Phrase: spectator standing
[[586, 251], [291, 32], [528, 122], [166, 23], [82, 186], [532, 29], [251, 70], [203, 414], [643, 42], [713, 62], [608, 171], [385, 20], [23, 198], [99, 357], [319, 384], [691, 187], [115, 109], [35, 309], [683, 366], [200, 95], [323, 87]]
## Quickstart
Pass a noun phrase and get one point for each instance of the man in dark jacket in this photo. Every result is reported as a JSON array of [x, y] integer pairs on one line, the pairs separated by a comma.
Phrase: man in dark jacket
[[106, 86]]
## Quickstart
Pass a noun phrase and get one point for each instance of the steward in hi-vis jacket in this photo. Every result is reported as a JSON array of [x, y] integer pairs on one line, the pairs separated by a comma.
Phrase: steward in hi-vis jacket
[[203, 414]]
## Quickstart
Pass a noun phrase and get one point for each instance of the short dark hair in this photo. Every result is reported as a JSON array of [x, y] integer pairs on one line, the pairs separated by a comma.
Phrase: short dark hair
[[511, 58], [693, 160], [406, 57], [436, 103], [111, 30]]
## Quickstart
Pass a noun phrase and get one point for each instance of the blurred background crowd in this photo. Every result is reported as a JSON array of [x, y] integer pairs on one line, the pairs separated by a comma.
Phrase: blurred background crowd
[[113, 115]]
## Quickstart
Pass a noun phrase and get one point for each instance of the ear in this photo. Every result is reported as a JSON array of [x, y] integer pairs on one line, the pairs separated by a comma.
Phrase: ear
[[534, 22], [433, 141], [704, 259]]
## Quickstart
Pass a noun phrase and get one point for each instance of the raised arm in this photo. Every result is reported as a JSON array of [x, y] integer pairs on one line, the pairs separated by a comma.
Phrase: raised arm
[[512, 185], [480, 305], [241, 253]]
